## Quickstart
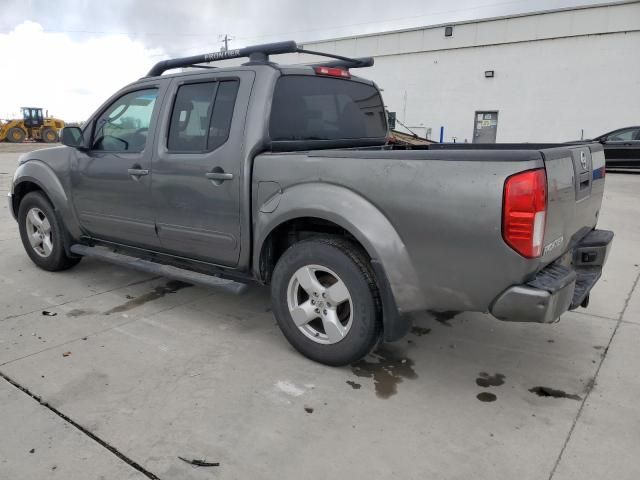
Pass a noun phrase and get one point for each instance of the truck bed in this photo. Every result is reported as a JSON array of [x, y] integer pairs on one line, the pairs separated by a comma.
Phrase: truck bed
[[446, 205]]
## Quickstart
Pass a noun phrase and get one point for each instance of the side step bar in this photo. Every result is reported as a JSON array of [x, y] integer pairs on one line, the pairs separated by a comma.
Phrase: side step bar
[[169, 271]]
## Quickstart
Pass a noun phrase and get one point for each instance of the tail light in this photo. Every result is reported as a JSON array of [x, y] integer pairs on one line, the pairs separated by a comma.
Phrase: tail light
[[332, 72], [524, 212]]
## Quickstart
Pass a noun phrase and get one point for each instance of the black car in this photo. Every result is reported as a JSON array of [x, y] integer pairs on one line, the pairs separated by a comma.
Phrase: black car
[[621, 147]]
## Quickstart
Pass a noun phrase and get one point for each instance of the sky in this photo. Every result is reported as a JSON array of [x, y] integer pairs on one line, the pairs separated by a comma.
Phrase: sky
[[69, 56]]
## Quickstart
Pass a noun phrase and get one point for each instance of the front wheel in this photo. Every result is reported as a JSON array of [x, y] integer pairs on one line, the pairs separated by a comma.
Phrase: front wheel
[[42, 234], [49, 135], [325, 300], [15, 135]]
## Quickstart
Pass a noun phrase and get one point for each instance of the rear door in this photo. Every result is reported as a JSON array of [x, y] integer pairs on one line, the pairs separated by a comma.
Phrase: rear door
[[197, 167]]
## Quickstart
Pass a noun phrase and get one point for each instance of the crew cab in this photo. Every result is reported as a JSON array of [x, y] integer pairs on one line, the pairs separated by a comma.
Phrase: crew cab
[[283, 175]]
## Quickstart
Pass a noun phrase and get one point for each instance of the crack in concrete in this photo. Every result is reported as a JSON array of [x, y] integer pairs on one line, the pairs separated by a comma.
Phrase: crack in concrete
[[132, 463], [593, 380]]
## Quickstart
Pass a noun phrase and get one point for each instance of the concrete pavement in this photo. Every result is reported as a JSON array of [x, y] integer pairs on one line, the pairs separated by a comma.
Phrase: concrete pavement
[[140, 370]]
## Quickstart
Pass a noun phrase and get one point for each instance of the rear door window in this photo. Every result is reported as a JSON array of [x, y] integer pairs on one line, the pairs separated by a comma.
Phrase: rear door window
[[201, 117], [320, 108]]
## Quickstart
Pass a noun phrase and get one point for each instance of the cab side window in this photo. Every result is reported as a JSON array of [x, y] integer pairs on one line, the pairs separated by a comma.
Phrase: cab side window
[[201, 117], [124, 125]]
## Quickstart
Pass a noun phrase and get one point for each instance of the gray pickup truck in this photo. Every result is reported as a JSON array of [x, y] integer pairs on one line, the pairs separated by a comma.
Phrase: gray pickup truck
[[284, 175]]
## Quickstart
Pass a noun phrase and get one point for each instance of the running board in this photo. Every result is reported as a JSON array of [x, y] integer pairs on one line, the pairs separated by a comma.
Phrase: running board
[[154, 268]]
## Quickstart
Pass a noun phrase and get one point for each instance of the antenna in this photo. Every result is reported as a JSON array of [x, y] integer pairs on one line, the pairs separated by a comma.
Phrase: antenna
[[226, 39]]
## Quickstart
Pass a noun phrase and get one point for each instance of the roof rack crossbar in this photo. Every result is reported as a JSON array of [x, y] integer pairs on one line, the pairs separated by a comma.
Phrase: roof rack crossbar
[[266, 50], [343, 62], [256, 54]]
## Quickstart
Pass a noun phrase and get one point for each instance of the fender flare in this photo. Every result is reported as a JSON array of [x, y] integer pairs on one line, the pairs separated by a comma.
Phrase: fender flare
[[39, 173], [397, 279]]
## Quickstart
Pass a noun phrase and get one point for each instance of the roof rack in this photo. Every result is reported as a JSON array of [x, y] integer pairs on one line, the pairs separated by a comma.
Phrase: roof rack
[[257, 54]]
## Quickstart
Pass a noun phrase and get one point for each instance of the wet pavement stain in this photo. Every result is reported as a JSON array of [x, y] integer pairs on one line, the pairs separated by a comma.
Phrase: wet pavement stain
[[354, 385], [79, 312], [420, 331], [388, 366], [553, 393], [486, 397], [485, 380], [444, 317], [171, 286]]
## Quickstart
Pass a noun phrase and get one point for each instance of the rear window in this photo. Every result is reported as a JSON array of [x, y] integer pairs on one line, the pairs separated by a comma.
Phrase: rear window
[[320, 108]]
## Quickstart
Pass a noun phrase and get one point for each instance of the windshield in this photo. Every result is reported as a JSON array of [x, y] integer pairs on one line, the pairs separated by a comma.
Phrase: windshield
[[321, 108]]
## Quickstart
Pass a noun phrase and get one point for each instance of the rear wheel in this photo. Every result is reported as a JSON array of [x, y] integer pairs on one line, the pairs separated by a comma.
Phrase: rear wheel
[[15, 135], [49, 135], [325, 300], [42, 234]]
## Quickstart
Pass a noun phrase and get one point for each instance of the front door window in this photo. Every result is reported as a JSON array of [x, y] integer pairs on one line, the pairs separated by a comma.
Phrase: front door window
[[123, 127]]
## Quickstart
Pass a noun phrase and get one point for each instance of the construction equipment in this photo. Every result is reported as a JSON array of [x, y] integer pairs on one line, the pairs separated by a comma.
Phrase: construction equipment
[[32, 126]]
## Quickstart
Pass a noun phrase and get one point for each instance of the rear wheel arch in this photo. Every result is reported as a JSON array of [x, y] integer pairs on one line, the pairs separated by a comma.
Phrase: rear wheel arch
[[294, 230], [299, 229], [325, 299], [356, 216]]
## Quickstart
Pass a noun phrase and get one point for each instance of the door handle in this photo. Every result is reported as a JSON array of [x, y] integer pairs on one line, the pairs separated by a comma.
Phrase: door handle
[[220, 176], [217, 178], [136, 173]]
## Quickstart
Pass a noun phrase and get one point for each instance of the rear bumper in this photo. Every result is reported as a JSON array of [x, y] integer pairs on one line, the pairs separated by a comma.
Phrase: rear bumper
[[561, 286]]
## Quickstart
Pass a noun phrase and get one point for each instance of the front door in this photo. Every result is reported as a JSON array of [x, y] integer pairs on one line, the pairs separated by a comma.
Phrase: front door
[[197, 172], [485, 127], [111, 183]]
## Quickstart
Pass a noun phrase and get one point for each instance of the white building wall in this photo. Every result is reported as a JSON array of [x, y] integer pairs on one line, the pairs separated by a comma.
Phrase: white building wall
[[556, 73], [544, 90]]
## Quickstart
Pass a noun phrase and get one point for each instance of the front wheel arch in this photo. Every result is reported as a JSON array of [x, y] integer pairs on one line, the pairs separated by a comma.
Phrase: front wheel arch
[[21, 190]]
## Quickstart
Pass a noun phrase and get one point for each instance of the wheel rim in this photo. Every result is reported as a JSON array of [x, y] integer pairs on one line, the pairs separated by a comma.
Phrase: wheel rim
[[320, 304], [39, 232]]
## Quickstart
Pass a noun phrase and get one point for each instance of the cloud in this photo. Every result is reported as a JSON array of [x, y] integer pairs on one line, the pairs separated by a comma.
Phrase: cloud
[[69, 77]]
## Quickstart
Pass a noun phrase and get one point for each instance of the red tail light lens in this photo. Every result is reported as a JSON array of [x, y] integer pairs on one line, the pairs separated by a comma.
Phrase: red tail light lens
[[524, 212], [332, 72]]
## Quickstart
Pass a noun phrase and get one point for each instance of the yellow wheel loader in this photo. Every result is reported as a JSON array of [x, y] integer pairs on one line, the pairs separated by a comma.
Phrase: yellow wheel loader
[[32, 126]]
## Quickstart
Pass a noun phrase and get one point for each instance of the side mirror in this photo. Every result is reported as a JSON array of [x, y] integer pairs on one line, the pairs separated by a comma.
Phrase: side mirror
[[72, 137]]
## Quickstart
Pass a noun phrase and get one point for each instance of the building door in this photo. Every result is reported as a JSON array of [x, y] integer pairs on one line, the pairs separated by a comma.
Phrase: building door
[[485, 127]]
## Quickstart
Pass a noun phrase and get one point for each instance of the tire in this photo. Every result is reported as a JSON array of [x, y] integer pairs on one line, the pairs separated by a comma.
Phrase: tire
[[49, 135], [15, 135], [344, 277], [43, 234]]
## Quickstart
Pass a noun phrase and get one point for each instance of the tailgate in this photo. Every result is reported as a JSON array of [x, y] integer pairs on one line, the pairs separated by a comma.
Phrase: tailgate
[[575, 179]]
